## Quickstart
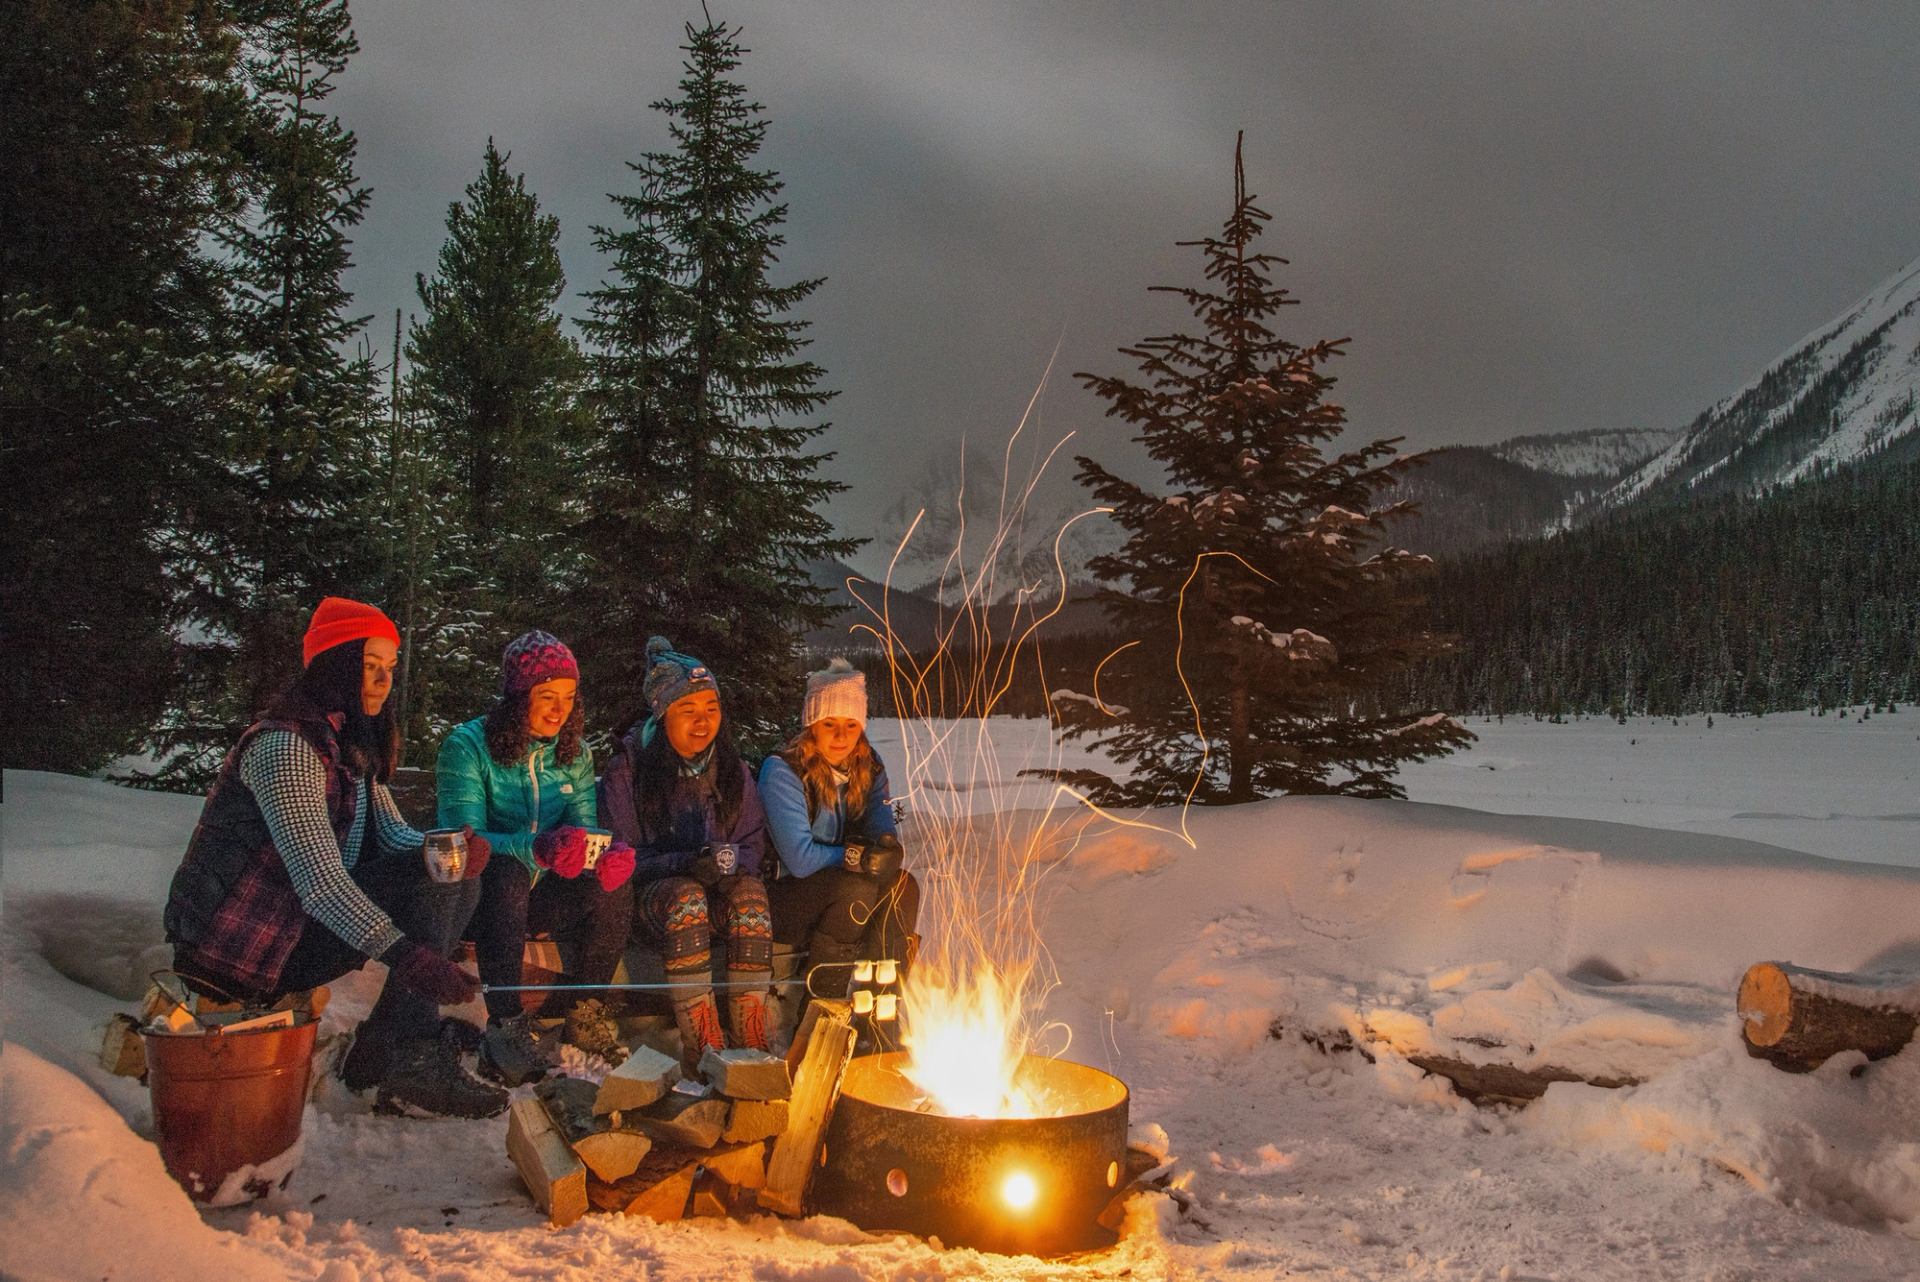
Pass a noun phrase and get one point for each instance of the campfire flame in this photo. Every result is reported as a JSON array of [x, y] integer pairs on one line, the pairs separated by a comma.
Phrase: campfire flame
[[970, 1008], [964, 1043]]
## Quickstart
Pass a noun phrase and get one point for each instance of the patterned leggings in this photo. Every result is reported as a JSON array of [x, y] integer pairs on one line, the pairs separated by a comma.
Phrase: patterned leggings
[[681, 916]]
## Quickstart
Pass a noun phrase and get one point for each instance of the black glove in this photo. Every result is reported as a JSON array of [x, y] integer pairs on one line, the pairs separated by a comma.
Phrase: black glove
[[882, 859], [713, 863], [429, 974]]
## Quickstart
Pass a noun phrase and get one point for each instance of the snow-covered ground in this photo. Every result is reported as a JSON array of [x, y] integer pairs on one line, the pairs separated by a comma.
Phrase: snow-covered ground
[[1834, 785], [1598, 921]]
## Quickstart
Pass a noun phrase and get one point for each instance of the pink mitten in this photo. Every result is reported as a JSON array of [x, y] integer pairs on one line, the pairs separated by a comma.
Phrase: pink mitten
[[564, 850], [615, 866]]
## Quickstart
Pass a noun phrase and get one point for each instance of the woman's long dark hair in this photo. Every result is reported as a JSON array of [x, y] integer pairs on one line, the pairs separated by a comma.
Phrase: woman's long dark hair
[[656, 769], [331, 684], [509, 737]]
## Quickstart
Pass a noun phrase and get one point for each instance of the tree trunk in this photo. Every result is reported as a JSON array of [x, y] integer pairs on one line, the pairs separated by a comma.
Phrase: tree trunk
[[1797, 1018]]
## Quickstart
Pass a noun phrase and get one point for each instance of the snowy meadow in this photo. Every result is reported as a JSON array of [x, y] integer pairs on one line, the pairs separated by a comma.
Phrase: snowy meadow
[[1583, 896]]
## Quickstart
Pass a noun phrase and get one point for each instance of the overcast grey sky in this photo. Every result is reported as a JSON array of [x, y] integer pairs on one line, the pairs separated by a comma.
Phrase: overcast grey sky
[[1529, 217]]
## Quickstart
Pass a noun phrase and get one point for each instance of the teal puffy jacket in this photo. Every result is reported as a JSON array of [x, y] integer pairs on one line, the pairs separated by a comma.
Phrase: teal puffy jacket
[[508, 805]]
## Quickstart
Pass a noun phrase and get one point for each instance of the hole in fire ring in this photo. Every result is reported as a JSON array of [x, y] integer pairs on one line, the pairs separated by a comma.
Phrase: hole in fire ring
[[897, 1182]]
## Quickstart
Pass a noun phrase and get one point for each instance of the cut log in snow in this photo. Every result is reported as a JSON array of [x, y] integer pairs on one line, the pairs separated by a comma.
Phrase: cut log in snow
[[553, 1174], [1797, 1018], [1478, 1083], [609, 1151], [815, 1088]]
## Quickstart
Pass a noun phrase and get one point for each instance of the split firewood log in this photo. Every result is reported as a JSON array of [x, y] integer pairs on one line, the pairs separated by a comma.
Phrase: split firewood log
[[122, 1053], [815, 1088], [742, 1165], [658, 1189], [1797, 1018], [754, 1119], [679, 1118], [609, 1150], [553, 1173], [642, 1079], [740, 1073]]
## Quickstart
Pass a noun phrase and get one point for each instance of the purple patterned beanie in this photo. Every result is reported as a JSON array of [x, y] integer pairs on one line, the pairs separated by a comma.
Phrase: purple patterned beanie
[[538, 656]]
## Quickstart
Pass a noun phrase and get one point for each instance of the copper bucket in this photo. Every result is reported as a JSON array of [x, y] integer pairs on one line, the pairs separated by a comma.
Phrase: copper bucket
[[227, 1107]]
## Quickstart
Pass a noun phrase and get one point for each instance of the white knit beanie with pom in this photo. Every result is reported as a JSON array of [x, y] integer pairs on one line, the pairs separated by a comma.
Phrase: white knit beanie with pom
[[836, 691]]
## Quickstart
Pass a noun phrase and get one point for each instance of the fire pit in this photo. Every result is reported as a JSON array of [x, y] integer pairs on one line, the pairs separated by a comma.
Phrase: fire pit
[[1025, 1185]]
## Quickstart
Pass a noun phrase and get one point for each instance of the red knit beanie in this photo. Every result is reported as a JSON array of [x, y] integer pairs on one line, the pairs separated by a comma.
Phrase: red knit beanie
[[337, 621]]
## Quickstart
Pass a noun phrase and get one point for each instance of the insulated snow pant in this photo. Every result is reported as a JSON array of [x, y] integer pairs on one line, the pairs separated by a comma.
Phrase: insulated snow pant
[[514, 907], [841, 916]]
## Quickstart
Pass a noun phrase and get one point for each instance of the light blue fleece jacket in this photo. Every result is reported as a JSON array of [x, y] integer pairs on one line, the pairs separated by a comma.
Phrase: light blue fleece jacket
[[807, 843]]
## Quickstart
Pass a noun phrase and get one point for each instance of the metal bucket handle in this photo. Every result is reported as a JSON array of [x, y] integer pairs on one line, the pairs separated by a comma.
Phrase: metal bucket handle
[[167, 980]]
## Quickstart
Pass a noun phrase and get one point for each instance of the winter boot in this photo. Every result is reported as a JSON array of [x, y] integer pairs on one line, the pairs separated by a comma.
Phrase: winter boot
[[465, 1037], [698, 1020], [748, 1013], [510, 1054], [367, 1061], [426, 1080], [592, 1027]]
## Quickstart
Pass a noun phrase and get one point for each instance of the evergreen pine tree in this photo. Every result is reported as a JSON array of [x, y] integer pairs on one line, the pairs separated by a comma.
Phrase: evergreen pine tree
[[292, 515], [1269, 609], [117, 120], [497, 379], [705, 499]]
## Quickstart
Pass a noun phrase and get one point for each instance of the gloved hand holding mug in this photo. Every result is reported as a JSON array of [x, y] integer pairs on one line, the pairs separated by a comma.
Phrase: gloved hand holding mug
[[563, 850], [714, 862], [479, 851], [615, 867], [882, 858]]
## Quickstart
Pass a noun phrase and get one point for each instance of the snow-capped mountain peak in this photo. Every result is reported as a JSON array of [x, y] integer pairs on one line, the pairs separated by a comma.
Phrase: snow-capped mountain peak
[[1843, 392]]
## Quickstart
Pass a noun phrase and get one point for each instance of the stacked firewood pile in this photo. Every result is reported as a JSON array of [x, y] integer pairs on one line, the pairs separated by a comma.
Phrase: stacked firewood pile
[[742, 1136]]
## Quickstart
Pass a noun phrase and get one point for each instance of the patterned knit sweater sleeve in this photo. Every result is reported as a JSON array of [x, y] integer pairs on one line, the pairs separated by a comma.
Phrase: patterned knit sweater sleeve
[[289, 783], [391, 831]]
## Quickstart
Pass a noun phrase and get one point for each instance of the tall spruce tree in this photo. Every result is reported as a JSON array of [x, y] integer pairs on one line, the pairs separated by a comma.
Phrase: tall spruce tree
[[497, 380], [1269, 609], [291, 517], [118, 120], [705, 501]]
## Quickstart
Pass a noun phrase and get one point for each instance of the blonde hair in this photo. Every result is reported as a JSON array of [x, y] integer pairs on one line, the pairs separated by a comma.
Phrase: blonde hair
[[816, 776]]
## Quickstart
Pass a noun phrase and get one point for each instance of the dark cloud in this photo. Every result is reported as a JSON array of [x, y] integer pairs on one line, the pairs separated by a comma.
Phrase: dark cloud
[[1528, 217]]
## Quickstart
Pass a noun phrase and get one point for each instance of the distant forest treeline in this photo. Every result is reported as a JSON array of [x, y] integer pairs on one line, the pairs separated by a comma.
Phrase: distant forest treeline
[[1807, 597]]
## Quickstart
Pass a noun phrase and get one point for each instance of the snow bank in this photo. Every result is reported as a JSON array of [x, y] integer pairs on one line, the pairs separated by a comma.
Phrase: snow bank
[[1604, 948], [1846, 1147], [82, 1196]]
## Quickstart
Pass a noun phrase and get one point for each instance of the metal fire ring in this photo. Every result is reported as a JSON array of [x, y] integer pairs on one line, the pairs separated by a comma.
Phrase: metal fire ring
[[1032, 1186]]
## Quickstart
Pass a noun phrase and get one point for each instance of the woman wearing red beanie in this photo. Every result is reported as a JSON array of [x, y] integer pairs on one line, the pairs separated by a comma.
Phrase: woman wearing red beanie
[[301, 869]]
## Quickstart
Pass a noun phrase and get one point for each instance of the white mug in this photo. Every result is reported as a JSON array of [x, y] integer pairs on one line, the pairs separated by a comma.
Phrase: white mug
[[445, 850], [599, 840]]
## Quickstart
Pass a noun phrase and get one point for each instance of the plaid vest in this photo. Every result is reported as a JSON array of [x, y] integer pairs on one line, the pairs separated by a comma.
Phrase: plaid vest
[[232, 902]]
